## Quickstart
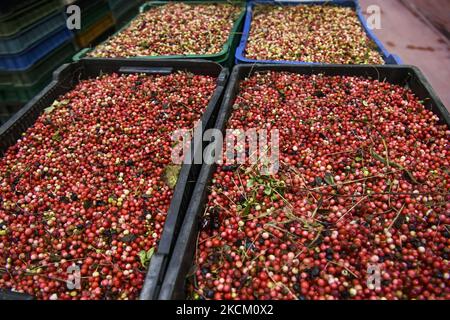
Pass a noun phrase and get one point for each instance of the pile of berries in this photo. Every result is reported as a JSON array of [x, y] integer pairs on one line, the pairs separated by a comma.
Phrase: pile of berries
[[173, 29], [310, 33], [359, 208], [88, 186]]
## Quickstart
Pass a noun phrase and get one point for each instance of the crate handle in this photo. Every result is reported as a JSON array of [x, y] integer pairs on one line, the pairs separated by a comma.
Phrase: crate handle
[[156, 70]]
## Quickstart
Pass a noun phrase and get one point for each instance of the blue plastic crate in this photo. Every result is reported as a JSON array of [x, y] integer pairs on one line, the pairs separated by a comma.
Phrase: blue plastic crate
[[33, 54], [42, 67], [240, 58], [33, 34]]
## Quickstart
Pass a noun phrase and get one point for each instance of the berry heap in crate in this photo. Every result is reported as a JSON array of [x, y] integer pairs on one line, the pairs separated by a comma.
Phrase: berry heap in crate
[[173, 29], [362, 186], [91, 182], [310, 33]]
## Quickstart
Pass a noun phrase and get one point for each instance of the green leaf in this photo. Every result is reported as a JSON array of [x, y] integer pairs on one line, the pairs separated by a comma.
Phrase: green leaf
[[150, 253], [365, 172], [365, 103], [171, 174], [246, 210], [143, 257], [250, 183], [268, 190], [329, 179], [57, 137], [49, 109], [56, 104], [146, 256]]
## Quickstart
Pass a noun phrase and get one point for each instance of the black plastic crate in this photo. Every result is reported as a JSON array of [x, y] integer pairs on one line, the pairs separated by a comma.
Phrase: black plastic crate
[[183, 254], [68, 76]]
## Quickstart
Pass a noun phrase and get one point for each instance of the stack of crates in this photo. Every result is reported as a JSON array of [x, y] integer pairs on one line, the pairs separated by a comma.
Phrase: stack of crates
[[123, 11], [97, 22], [34, 41]]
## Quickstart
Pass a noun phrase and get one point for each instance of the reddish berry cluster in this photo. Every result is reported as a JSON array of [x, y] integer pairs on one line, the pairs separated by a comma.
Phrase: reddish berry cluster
[[362, 190], [87, 185], [310, 33], [173, 29]]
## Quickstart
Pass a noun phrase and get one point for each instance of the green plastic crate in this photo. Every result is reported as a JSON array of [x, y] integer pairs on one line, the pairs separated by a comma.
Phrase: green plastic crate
[[25, 17], [22, 94], [225, 57]]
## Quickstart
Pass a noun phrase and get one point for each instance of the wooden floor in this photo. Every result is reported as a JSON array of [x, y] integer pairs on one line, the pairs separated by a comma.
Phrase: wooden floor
[[411, 35]]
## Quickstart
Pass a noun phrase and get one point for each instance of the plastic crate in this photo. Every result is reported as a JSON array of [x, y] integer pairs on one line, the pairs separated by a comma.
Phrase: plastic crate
[[33, 54], [240, 52], [10, 108], [11, 9], [3, 118], [182, 259], [225, 57], [47, 64], [36, 32], [5, 295], [25, 85], [66, 78], [22, 94], [26, 16], [84, 5], [92, 14], [8, 8], [120, 8], [94, 32], [68, 2], [125, 18]]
